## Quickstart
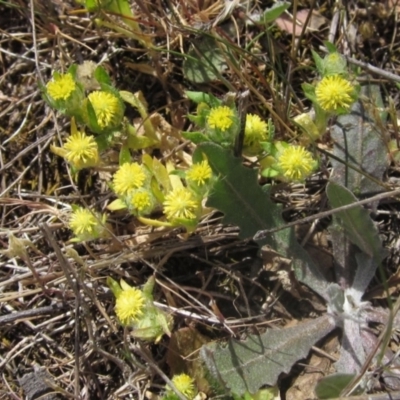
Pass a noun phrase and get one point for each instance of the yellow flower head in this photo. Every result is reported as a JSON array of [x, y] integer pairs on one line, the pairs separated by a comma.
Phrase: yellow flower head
[[199, 173], [61, 88], [185, 384], [296, 163], [221, 118], [128, 177], [85, 224], [334, 92], [142, 201], [129, 305], [107, 108], [82, 150], [180, 204], [256, 131]]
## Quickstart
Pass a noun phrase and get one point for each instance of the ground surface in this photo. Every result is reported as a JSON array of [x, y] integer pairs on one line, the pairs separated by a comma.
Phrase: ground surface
[[57, 312]]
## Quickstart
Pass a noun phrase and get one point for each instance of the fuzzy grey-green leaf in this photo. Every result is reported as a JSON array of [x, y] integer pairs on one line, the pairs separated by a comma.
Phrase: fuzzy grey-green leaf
[[245, 366]]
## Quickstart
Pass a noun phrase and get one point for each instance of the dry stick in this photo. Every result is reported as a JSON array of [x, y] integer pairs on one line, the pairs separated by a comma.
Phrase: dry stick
[[53, 227], [25, 257], [264, 233], [34, 41], [375, 70], [30, 313]]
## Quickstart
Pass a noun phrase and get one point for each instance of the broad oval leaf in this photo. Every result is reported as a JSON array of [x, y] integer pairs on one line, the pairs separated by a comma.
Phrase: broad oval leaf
[[245, 366], [356, 221], [205, 61]]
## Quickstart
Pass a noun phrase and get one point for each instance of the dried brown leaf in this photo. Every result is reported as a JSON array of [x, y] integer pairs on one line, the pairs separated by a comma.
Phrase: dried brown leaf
[[315, 22]]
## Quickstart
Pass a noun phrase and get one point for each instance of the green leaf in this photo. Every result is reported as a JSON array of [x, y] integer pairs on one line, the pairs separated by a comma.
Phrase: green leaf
[[160, 182], [72, 70], [124, 155], [244, 203], [138, 101], [195, 137], [356, 221], [270, 173], [103, 141], [205, 61], [101, 75], [148, 288], [92, 5], [92, 123], [271, 393], [271, 14], [114, 286], [357, 226], [319, 62], [309, 91], [116, 205], [201, 97], [245, 366], [330, 46], [359, 161], [331, 386], [199, 120], [138, 142]]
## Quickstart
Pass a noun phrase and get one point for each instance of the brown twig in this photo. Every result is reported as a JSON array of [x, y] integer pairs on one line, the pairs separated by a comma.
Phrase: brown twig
[[34, 312]]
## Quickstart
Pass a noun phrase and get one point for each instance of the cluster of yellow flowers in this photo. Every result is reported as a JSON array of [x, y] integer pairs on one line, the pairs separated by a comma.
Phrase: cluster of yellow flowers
[[137, 186], [138, 189], [132, 184], [285, 162], [221, 124], [101, 111]]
